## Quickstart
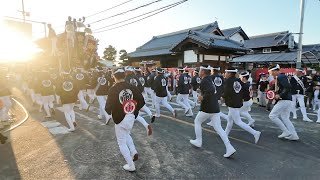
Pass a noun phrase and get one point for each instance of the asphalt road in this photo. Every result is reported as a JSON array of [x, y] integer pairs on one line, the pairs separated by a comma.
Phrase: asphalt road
[[91, 152]]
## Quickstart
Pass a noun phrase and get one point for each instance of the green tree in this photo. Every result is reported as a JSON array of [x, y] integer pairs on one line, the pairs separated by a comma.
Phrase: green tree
[[110, 53], [123, 57]]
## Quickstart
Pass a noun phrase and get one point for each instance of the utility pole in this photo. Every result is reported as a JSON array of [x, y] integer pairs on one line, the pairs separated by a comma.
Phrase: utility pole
[[23, 12], [302, 7]]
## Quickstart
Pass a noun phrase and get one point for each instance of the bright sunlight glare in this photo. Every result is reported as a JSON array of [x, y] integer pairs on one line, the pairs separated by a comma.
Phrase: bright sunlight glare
[[14, 46]]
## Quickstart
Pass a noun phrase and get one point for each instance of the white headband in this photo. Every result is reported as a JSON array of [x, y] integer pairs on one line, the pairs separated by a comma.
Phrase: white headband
[[247, 74], [205, 68], [129, 68], [301, 70], [275, 68], [119, 71], [232, 70], [217, 68]]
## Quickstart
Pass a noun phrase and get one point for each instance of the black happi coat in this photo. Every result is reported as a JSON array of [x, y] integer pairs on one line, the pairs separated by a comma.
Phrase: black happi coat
[[233, 89], [68, 91], [93, 80], [150, 80], [263, 85], [160, 86], [142, 79], [120, 92], [184, 84], [132, 79], [46, 88], [246, 91], [296, 87], [284, 87], [219, 83], [81, 79], [309, 86], [105, 84], [209, 104], [195, 82]]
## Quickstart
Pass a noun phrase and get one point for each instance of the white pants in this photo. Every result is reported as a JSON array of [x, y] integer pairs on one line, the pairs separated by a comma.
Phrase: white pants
[[183, 100], [5, 110], [244, 111], [150, 92], [141, 120], [316, 102], [215, 119], [262, 98], [300, 99], [234, 116], [147, 110], [47, 104], [69, 114], [282, 109], [164, 102], [195, 95], [318, 115], [125, 142], [168, 92], [102, 104], [223, 116], [91, 94], [32, 95], [83, 102]]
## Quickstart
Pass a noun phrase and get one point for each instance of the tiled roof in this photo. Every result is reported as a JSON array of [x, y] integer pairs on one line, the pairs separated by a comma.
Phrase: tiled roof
[[288, 57], [213, 41], [268, 40], [231, 31], [162, 44]]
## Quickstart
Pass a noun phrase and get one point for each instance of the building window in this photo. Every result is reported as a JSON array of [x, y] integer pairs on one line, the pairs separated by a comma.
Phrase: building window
[[211, 57], [266, 50]]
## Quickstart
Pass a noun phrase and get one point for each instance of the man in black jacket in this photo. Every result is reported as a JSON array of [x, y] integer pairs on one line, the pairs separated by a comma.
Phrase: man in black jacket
[[161, 93], [134, 80], [124, 103], [183, 93], [233, 95], [148, 86], [101, 89], [195, 83], [298, 83], [247, 98], [209, 109], [281, 109]]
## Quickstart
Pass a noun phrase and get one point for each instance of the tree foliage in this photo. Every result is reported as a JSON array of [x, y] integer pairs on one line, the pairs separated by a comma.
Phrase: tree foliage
[[110, 53], [123, 56]]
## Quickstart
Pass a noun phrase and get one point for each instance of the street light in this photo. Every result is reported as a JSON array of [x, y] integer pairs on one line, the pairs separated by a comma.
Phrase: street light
[[302, 7]]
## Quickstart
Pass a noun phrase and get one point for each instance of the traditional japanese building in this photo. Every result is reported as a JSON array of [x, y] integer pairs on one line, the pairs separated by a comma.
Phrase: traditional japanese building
[[278, 47], [208, 44], [203, 44]]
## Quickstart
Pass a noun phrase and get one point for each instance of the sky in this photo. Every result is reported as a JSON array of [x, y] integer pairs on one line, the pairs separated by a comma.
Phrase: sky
[[254, 16]]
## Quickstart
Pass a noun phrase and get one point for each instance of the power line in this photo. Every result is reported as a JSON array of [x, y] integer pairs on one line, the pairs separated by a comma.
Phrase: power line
[[180, 2], [122, 13], [135, 16], [109, 8]]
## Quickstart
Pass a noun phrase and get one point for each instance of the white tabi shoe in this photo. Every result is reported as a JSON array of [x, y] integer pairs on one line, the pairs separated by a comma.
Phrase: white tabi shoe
[[230, 151], [307, 120], [284, 134], [292, 138], [99, 117], [196, 143], [129, 168], [257, 137]]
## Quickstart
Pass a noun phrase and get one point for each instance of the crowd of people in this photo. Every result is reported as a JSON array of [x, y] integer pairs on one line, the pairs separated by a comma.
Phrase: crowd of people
[[123, 93]]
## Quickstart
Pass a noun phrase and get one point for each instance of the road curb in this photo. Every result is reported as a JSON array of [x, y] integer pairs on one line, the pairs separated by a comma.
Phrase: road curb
[[24, 119]]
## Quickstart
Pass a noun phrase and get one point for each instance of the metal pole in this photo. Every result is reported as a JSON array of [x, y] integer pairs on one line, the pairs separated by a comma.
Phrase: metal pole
[[302, 7], [23, 12], [45, 29]]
